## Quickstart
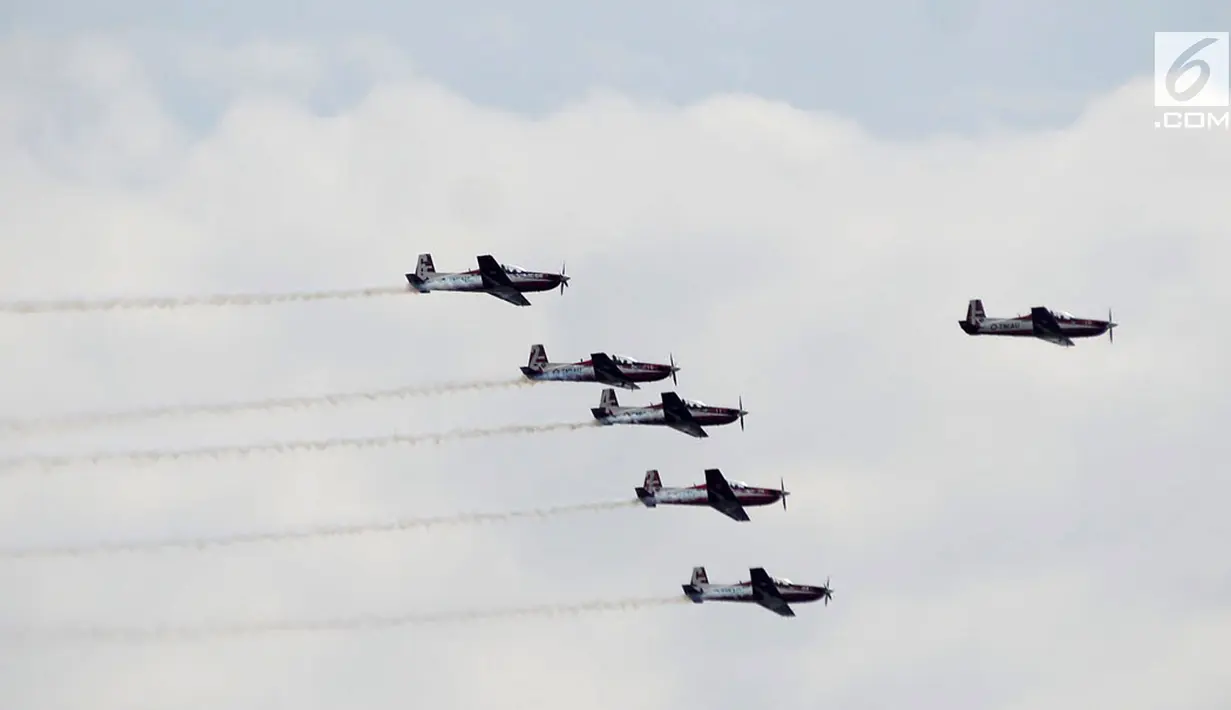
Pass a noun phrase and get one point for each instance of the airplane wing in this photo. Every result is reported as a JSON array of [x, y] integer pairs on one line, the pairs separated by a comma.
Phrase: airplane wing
[[1046, 327], [677, 416], [511, 295], [497, 283], [721, 497], [605, 370], [765, 593]]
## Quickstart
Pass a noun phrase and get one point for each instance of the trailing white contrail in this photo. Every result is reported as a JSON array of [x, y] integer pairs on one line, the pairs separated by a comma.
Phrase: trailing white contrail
[[367, 622], [221, 299], [81, 420], [320, 531], [46, 463]]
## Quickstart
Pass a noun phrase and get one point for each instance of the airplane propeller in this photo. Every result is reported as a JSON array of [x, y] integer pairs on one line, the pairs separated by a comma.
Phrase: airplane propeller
[[1111, 328], [782, 485], [674, 369], [826, 592], [741, 412], [563, 279]]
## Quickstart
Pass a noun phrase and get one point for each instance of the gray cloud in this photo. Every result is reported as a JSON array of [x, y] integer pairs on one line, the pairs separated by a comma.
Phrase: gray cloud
[[1007, 525]]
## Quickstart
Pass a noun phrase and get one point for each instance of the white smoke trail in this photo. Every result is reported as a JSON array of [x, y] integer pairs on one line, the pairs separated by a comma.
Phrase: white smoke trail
[[323, 531], [87, 419], [222, 299], [46, 463], [369, 622]]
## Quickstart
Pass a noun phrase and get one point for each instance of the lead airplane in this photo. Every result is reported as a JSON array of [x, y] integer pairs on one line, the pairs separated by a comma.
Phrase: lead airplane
[[772, 593], [728, 498], [505, 282], [1056, 327], [684, 416], [614, 370]]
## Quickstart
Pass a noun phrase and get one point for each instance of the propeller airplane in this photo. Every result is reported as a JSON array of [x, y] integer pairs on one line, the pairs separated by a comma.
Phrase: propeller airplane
[[684, 416], [612, 370], [772, 593], [505, 282], [728, 498], [1056, 327]]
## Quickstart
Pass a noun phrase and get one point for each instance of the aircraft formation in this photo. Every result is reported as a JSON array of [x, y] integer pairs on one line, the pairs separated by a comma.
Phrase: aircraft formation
[[731, 498], [691, 417], [510, 283]]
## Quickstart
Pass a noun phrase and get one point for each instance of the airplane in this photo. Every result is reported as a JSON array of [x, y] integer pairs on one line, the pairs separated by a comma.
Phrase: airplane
[[614, 370], [687, 417], [1056, 327], [773, 594], [505, 282], [727, 498]]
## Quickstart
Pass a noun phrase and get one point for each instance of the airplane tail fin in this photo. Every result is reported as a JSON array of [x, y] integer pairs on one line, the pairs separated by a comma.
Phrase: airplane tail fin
[[537, 362], [538, 358], [975, 316], [696, 586], [424, 270], [645, 492], [426, 267], [606, 405]]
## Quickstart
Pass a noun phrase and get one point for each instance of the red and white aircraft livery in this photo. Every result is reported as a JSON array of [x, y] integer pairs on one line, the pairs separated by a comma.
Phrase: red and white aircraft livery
[[773, 594], [613, 370], [1055, 327], [505, 282], [681, 415], [727, 498]]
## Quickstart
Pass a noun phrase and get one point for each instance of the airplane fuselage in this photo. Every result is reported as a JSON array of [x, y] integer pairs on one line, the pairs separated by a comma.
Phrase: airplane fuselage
[[584, 372], [700, 496], [653, 415], [742, 592], [472, 281], [1023, 326]]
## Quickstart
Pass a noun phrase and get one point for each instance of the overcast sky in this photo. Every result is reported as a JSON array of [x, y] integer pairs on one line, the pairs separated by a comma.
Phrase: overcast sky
[[795, 202]]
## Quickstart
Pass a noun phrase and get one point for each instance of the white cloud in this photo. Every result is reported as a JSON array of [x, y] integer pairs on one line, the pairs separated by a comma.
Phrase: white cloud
[[1002, 520]]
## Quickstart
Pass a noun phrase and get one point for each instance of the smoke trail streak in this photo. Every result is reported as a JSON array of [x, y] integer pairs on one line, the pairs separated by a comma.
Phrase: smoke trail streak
[[222, 299], [323, 531], [336, 399], [369, 622], [46, 463]]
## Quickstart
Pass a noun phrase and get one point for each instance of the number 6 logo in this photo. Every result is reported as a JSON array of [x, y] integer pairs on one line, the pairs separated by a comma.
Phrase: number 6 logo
[[1192, 69], [1185, 62]]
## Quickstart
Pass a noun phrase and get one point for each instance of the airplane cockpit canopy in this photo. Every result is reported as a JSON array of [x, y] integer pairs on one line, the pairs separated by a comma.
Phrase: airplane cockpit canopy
[[738, 484], [510, 269], [1058, 315], [776, 580], [621, 359]]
